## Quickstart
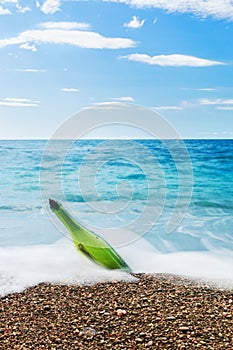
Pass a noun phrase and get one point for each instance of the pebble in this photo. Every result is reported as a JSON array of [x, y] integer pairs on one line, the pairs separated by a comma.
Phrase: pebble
[[150, 343], [184, 329], [139, 340], [154, 311], [121, 312], [170, 318]]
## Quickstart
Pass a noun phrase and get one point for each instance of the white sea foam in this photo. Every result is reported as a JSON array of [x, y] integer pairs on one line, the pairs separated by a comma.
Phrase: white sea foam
[[215, 267], [22, 267]]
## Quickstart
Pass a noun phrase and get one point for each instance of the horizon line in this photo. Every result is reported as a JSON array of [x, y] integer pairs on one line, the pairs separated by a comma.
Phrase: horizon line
[[113, 139]]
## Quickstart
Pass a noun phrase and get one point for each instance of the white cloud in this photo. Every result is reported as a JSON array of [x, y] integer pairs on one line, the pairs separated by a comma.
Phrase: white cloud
[[50, 6], [124, 99], [70, 90], [65, 25], [23, 9], [216, 133], [27, 46], [18, 102], [109, 105], [220, 9], [200, 89], [12, 99], [10, 41], [168, 108], [206, 89], [4, 11], [30, 70], [188, 104], [135, 23], [218, 101], [222, 108], [83, 39], [174, 60]]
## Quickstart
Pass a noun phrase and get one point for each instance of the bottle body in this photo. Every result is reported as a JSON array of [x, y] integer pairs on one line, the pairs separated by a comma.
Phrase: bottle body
[[89, 243]]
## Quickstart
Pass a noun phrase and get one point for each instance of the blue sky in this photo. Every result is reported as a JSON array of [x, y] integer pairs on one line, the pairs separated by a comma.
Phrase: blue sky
[[57, 57]]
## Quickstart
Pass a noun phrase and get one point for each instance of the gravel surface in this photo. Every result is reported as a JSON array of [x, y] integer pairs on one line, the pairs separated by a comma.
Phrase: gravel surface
[[154, 312]]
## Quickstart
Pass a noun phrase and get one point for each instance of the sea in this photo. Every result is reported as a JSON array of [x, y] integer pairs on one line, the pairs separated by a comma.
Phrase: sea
[[165, 207]]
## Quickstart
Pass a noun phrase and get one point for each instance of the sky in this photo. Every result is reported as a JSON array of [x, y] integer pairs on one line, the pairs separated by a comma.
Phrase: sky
[[59, 57]]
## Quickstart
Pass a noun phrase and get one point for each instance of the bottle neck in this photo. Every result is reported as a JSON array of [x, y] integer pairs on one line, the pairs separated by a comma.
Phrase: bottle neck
[[67, 219]]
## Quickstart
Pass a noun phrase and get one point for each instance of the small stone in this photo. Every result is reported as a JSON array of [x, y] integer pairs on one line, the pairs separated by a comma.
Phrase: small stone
[[142, 334], [202, 342], [88, 332], [170, 318], [184, 329], [150, 343], [46, 308], [121, 312], [139, 340]]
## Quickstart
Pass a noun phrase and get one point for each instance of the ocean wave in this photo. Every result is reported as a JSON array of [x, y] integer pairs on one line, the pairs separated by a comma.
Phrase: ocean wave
[[22, 267], [20, 208], [208, 204]]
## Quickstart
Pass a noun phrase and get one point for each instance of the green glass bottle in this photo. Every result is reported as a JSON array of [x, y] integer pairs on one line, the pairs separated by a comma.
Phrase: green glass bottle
[[89, 243]]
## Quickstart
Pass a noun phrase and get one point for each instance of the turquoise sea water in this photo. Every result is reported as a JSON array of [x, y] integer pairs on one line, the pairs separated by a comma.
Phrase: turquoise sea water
[[118, 185]]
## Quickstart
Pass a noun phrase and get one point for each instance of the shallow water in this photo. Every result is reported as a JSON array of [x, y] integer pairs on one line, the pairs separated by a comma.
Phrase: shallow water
[[130, 187]]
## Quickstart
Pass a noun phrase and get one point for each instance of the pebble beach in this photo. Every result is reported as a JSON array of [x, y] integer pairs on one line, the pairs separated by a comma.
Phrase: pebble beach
[[151, 312]]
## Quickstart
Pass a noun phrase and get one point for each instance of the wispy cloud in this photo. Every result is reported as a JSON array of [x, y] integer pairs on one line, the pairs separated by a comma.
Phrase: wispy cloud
[[12, 4], [109, 105], [135, 23], [4, 11], [22, 9], [218, 101], [30, 70], [18, 102], [168, 108], [225, 108], [83, 39], [64, 25], [70, 90], [219, 9], [123, 99], [174, 60], [200, 89], [224, 134], [206, 89], [51, 6], [27, 46], [24, 100]]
